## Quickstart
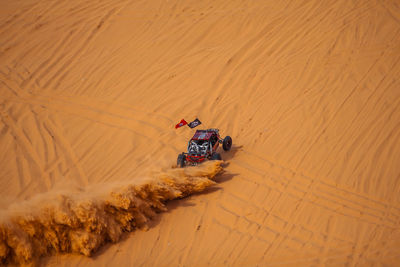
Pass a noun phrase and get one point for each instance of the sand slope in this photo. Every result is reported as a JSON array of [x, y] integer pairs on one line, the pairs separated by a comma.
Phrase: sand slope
[[308, 90]]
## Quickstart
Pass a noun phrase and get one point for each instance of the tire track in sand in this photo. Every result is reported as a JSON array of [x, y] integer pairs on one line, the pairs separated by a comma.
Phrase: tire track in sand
[[377, 213], [10, 22], [45, 125], [380, 214], [59, 75], [344, 101], [52, 126], [25, 145], [49, 65], [220, 83], [350, 202], [20, 31], [110, 114]]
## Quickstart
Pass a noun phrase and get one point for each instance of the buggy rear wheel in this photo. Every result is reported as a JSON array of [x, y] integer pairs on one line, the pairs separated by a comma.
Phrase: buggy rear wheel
[[227, 143], [181, 160]]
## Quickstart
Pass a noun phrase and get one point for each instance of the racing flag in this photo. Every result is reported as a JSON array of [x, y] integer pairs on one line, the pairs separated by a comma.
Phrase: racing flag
[[182, 123], [194, 123]]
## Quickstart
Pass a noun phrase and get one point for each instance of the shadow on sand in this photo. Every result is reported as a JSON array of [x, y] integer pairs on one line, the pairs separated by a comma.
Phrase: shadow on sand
[[226, 156]]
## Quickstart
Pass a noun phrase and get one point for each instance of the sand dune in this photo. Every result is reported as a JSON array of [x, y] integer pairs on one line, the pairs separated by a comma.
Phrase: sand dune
[[309, 91]]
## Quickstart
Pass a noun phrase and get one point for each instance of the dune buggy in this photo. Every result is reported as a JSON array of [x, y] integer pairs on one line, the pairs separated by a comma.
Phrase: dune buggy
[[202, 146]]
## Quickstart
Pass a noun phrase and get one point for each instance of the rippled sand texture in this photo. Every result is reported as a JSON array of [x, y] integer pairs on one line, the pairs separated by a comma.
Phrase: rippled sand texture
[[309, 91]]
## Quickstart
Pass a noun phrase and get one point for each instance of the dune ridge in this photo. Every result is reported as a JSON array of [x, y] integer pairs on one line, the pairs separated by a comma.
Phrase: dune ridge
[[308, 90], [83, 219]]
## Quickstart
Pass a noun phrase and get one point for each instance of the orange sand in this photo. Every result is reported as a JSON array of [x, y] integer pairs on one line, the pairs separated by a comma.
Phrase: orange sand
[[90, 92]]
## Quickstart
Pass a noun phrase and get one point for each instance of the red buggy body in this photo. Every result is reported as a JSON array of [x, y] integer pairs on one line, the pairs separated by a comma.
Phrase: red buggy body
[[203, 145]]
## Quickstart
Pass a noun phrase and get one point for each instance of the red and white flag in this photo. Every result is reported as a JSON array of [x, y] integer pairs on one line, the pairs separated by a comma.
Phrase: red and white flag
[[182, 123]]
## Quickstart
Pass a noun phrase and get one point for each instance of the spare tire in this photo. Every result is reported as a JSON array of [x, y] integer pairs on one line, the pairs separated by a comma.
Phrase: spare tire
[[216, 156], [180, 162], [227, 143]]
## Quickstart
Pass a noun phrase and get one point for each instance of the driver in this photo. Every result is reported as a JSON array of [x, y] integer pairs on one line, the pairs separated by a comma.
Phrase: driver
[[194, 148], [205, 146]]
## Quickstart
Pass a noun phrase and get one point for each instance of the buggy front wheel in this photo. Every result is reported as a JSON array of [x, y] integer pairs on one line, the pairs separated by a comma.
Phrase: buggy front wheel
[[180, 162], [227, 143], [216, 156]]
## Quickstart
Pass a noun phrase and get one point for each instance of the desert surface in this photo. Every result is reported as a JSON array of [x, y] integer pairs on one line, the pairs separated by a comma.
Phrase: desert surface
[[90, 92]]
